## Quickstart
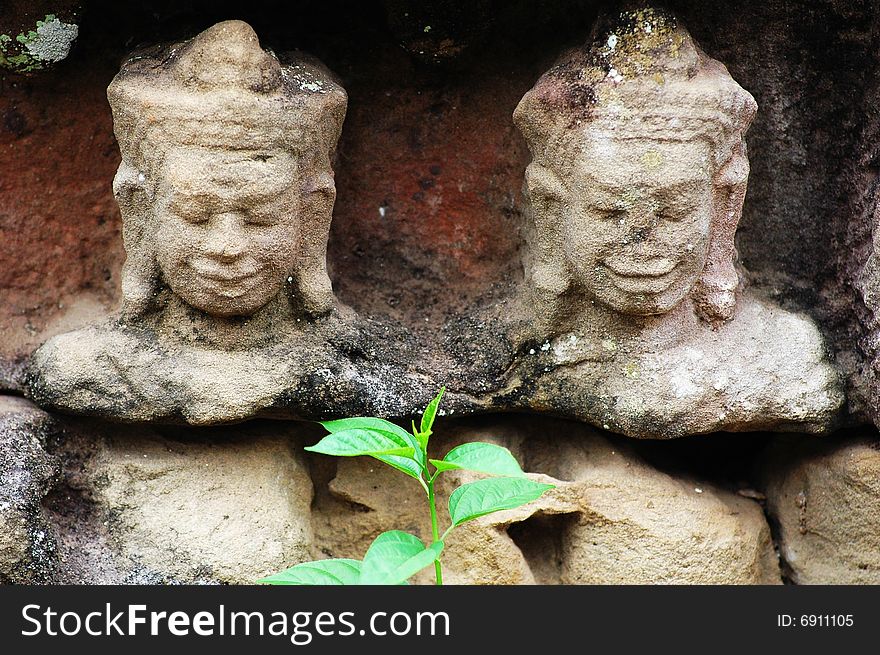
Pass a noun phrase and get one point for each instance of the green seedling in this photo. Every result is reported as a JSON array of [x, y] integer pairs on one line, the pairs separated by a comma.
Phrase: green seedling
[[396, 556]]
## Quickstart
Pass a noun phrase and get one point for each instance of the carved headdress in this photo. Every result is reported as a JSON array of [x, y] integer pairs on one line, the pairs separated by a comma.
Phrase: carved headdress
[[642, 78], [222, 90]]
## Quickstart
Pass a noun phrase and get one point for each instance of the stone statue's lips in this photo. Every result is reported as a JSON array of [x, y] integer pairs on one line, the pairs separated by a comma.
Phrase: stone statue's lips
[[217, 272], [652, 268], [651, 276]]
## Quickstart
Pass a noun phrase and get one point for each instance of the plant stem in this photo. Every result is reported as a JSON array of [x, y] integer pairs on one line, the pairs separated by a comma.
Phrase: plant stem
[[435, 531]]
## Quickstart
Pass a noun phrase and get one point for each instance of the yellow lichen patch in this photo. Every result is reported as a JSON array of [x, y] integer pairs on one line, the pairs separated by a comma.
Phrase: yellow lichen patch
[[630, 370], [637, 38], [675, 45], [609, 344], [652, 160]]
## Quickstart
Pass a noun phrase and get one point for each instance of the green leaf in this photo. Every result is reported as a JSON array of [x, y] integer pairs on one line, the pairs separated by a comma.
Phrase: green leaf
[[396, 556], [349, 443], [417, 457], [403, 464], [482, 458], [483, 497], [324, 572], [364, 423], [428, 418]]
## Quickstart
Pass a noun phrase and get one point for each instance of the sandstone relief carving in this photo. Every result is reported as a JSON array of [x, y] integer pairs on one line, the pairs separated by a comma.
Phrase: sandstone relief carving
[[634, 314], [225, 186], [226, 191], [633, 317]]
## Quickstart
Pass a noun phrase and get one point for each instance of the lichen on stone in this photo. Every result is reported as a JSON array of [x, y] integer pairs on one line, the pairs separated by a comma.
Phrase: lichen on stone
[[39, 48]]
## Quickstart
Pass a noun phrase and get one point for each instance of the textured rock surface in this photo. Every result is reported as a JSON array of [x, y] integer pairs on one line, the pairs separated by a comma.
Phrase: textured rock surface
[[59, 229], [861, 271], [825, 500], [312, 369], [635, 190], [27, 473], [765, 370], [639, 525], [425, 241], [804, 236], [365, 498], [229, 505], [226, 193], [225, 187], [612, 519]]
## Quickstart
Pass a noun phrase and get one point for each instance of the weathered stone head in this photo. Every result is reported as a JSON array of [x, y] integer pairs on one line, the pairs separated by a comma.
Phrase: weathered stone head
[[638, 174], [225, 187]]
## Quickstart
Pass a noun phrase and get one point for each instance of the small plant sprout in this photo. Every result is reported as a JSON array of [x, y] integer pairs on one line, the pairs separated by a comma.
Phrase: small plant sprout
[[396, 556]]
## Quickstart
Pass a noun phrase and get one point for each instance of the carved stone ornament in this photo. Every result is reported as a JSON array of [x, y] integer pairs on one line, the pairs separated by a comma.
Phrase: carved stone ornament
[[225, 186], [634, 316], [226, 192]]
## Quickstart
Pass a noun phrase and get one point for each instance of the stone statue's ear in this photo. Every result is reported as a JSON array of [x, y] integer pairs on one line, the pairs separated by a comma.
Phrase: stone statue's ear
[[546, 193], [312, 290], [547, 269], [715, 293], [140, 272]]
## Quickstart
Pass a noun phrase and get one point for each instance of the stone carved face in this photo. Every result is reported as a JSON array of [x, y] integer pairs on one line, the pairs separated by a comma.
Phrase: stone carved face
[[226, 185], [638, 224], [227, 227], [638, 175]]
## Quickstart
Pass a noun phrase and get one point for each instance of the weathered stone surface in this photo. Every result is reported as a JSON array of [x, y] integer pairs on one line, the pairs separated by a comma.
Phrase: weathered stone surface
[[798, 83], [612, 518], [230, 505], [227, 312], [207, 336], [239, 369], [812, 150], [765, 370], [59, 232], [438, 32], [427, 226], [226, 193], [861, 274], [225, 187], [636, 187], [824, 496], [640, 525], [27, 473], [360, 498]]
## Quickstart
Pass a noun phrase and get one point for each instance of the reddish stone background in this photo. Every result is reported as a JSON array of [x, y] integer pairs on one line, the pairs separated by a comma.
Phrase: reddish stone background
[[59, 224], [429, 181]]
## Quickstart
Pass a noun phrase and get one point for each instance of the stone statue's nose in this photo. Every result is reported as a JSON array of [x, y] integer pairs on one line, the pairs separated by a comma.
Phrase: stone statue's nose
[[226, 239], [639, 235], [642, 221]]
